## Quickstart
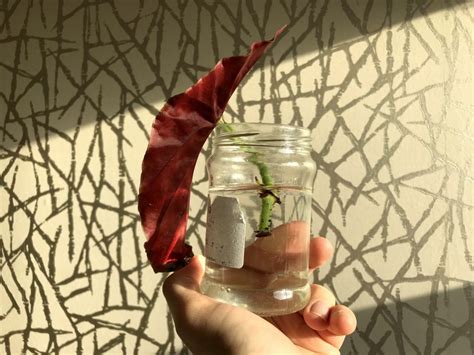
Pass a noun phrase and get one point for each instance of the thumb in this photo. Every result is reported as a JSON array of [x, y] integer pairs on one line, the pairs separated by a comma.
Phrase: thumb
[[184, 281], [183, 294]]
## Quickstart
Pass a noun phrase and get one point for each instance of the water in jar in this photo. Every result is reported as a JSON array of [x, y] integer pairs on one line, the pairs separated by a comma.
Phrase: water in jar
[[274, 277]]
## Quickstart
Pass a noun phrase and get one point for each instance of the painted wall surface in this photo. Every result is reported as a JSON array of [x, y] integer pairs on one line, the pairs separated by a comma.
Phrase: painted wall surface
[[385, 87]]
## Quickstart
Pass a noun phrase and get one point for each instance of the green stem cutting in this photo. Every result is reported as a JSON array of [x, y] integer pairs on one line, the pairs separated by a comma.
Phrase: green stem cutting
[[268, 197]]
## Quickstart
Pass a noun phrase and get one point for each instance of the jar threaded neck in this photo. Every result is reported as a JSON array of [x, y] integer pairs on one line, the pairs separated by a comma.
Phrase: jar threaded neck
[[262, 135]]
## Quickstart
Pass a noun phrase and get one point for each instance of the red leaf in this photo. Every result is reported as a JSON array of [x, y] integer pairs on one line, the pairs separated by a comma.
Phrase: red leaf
[[177, 136]]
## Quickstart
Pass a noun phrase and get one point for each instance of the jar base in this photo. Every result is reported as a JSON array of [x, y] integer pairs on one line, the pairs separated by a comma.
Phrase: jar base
[[263, 302]]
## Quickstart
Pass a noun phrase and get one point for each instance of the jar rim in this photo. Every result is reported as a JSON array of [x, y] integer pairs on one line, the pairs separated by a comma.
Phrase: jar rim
[[262, 134]]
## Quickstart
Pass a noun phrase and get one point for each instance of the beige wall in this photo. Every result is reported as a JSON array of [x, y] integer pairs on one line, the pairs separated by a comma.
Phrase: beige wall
[[385, 86]]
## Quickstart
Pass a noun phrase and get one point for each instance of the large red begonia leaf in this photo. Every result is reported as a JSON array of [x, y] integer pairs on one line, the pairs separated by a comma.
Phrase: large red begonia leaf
[[177, 136]]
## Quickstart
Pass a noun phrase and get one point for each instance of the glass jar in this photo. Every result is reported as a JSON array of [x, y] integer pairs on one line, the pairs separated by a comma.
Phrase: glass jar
[[259, 216]]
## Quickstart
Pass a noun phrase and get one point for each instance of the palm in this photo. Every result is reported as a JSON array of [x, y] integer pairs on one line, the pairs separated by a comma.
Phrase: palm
[[278, 334]]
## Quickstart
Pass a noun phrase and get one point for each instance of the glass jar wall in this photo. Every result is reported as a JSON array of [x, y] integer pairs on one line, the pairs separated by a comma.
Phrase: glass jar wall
[[259, 216]]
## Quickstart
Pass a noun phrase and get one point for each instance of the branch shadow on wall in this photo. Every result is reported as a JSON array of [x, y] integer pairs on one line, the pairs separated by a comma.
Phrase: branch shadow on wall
[[440, 323], [112, 67]]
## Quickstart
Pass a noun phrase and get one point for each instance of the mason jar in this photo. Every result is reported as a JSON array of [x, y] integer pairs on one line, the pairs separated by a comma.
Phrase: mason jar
[[259, 217]]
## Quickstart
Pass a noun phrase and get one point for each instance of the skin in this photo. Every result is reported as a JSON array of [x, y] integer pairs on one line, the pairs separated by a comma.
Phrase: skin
[[210, 327]]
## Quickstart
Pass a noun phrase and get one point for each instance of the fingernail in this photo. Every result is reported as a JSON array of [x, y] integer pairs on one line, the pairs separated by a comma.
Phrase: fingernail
[[320, 309]]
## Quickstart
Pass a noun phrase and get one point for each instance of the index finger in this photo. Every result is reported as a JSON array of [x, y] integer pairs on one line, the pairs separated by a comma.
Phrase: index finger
[[286, 249], [320, 251]]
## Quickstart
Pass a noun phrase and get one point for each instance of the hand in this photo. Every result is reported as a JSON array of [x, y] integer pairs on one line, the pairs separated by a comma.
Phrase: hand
[[207, 326]]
